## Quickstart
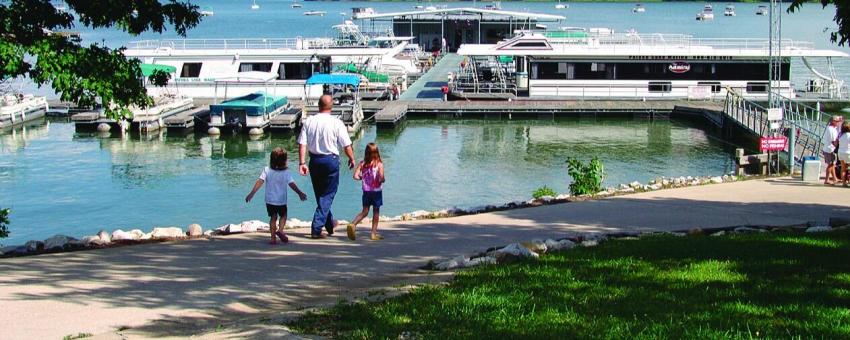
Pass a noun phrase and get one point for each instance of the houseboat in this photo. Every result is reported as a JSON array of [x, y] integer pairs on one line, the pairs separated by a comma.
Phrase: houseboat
[[729, 11], [15, 109], [586, 64], [200, 62], [761, 10], [706, 14]]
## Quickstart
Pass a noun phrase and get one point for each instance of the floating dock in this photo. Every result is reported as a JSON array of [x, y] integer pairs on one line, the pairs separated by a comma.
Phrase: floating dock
[[289, 120], [151, 119], [185, 120]]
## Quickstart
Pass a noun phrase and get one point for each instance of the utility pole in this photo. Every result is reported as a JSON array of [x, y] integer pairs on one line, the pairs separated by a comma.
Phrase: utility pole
[[775, 52]]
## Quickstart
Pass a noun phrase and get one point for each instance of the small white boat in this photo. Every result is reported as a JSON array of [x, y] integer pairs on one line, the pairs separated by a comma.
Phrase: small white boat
[[761, 10], [295, 4], [255, 6], [315, 13], [561, 6], [496, 5], [418, 7], [431, 8], [729, 11], [706, 14], [207, 13], [343, 13], [638, 9], [20, 108]]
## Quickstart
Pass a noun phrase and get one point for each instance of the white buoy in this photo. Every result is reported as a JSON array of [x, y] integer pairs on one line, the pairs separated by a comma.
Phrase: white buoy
[[103, 127], [214, 131], [255, 131]]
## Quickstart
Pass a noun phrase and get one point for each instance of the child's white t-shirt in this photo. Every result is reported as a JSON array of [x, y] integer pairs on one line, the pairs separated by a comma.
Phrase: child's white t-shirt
[[844, 143], [276, 183]]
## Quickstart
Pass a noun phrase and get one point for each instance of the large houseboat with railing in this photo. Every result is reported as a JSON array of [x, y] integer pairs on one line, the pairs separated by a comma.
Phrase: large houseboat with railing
[[201, 62], [603, 64]]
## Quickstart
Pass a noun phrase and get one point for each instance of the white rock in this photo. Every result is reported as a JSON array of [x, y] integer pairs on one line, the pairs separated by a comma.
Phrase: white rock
[[194, 230], [689, 178], [480, 261], [695, 182], [818, 229], [137, 234], [656, 186], [514, 251], [208, 233], [627, 190], [719, 233], [562, 197], [634, 184], [104, 236], [665, 182], [537, 246], [120, 235], [254, 226], [419, 214], [93, 240], [547, 198], [624, 186], [552, 245], [458, 262], [589, 243], [743, 230], [166, 232], [603, 194], [146, 236], [57, 242]]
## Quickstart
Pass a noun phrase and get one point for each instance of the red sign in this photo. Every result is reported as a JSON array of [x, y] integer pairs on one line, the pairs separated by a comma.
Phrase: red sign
[[679, 67], [773, 143]]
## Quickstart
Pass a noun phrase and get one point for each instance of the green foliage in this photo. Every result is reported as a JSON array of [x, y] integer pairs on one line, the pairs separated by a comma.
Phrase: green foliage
[[86, 75], [587, 178], [842, 18], [4, 221], [741, 286], [543, 191]]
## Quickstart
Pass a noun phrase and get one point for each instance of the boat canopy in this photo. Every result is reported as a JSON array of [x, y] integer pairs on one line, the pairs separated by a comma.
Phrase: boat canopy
[[249, 77], [254, 104], [334, 79], [149, 69]]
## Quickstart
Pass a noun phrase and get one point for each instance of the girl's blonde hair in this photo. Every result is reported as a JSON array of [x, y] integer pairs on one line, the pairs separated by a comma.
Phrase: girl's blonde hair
[[372, 154], [277, 160]]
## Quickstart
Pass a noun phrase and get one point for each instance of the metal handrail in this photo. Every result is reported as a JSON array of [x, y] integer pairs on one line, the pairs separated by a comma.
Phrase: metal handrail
[[675, 41], [231, 44]]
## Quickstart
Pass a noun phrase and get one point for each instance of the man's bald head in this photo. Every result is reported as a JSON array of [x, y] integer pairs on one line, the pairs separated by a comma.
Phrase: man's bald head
[[326, 103]]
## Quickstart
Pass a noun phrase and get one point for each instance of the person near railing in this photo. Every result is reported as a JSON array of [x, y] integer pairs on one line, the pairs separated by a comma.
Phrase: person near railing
[[844, 151], [829, 145]]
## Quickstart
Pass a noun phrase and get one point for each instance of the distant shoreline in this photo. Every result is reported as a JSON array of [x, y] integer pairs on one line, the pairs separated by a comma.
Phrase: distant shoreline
[[540, 1]]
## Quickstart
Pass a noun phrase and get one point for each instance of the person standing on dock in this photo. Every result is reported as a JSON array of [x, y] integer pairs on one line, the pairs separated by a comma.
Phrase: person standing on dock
[[322, 135], [829, 148]]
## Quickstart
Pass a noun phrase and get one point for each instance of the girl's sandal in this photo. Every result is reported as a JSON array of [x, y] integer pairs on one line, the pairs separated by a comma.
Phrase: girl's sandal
[[351, 232], [282, 237], [376, 237]]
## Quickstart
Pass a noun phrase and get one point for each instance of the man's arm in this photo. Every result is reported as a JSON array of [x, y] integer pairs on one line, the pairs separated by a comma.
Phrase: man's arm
[[302, 160], [350, 153]]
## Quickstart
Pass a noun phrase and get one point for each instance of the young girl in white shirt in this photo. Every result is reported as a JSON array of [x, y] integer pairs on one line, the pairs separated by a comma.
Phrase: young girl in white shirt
[[276, 177]]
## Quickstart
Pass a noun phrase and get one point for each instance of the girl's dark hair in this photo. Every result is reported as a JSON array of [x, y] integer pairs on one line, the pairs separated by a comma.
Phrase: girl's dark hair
[[845, 128], [372, 154], [277, 160]]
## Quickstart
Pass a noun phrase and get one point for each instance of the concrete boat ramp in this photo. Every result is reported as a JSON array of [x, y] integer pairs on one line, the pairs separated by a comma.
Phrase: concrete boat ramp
[[232, 286]]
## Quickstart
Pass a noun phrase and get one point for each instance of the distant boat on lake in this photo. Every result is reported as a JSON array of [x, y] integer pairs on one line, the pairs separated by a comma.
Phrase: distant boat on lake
[[255, 6], [761, 10], [638, 9], [315, 13], [295, 4]]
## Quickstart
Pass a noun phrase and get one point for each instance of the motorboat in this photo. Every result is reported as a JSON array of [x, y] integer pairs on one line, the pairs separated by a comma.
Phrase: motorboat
[[248, 112], [16, 109], [207, 12], [561, 6], [494, 6], [729, 11], [255, 6], [315, 13], [706, 14], [638, 9], [761, 10], [295, 4]]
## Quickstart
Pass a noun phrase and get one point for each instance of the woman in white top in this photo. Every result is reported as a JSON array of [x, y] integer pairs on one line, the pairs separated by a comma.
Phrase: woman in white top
[[844, 150]]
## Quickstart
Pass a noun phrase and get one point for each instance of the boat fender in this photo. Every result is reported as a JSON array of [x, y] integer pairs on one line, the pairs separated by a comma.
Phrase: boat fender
[[103, 127], [255, 132], [214, 131]]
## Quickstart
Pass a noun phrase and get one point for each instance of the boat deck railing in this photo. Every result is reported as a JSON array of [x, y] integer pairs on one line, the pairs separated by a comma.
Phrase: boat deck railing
[[667, 41], [234, 44]]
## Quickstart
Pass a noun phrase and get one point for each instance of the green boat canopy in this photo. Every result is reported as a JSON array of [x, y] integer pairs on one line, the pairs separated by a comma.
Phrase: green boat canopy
[[149, 69]]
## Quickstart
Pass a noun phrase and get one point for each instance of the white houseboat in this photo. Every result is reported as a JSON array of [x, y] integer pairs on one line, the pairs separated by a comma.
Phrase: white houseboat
[[200, 62], [729, 11], [706, 14], [585, 64]]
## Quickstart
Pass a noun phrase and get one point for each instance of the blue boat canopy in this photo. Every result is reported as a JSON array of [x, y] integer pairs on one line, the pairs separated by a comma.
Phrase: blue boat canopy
[[334, 79], [255, 104]]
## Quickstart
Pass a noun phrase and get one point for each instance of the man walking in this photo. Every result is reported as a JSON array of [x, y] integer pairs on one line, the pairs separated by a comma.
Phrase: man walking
[[829, 144], [321, 136]]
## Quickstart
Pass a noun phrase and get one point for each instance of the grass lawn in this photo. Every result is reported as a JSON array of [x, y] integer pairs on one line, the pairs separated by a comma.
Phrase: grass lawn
[[770, 285]]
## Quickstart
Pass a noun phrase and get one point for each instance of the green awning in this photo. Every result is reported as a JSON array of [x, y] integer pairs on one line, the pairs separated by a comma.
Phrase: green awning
[[149, 69]]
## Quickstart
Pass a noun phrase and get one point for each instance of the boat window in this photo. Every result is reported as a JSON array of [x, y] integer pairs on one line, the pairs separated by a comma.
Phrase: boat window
[[290, 71], [190, 70], [529, 44], [260, 67], [715, 85], [757, 87], [660, 86]]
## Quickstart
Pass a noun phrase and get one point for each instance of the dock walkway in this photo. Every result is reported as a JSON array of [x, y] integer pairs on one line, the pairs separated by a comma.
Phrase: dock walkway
[[428, 87], [196, 285]]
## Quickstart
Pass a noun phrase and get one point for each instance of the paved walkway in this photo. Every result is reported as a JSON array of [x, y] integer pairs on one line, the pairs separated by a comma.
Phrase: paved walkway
[[428, 87], [195, 284]]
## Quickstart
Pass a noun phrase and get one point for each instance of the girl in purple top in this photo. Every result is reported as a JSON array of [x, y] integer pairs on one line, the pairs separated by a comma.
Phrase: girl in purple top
[[371, 172]]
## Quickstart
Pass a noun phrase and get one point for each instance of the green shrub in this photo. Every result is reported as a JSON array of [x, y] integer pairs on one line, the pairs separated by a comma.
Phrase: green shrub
[[587, 178], [543, 191], [4, 220]]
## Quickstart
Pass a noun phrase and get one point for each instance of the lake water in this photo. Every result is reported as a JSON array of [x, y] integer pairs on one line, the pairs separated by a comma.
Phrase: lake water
[[57, 181]]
